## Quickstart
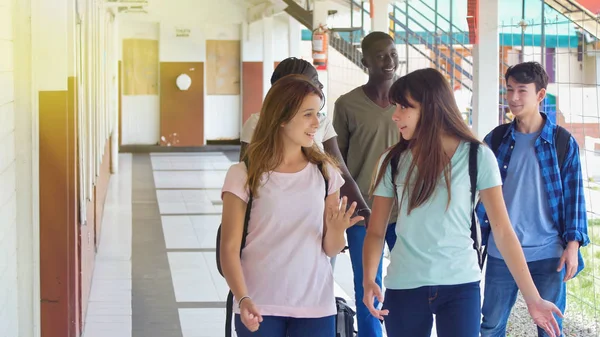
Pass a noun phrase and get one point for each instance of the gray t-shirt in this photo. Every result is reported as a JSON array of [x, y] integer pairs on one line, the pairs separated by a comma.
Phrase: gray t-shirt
[[365, 131]]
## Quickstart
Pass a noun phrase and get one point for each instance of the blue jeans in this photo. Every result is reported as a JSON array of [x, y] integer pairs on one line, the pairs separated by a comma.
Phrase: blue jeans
[[501, 293], [274, 326], [368, 326], [457, 310]]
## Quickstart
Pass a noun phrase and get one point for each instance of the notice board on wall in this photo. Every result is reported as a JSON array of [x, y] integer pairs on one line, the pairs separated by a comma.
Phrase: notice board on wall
[[140, 67], [223, 67]]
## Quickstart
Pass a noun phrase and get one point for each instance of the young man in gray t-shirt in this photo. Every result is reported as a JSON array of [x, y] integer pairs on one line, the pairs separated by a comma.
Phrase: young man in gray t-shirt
[[363, 121]]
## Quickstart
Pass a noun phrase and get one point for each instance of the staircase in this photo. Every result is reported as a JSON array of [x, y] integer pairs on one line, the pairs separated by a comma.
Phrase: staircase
[[578, 14], [344, 47], [449, 52]]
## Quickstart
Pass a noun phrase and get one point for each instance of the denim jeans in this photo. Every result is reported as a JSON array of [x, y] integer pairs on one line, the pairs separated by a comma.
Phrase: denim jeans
[[500, 293], [273, 326], [368, 326], [457, 310]]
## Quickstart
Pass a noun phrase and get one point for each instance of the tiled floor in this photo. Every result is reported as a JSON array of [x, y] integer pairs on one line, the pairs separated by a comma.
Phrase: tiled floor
[[156, 273]]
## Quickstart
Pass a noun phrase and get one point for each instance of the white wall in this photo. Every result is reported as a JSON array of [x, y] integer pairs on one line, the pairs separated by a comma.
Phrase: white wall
[[579, 104], [8, 197], [206, 20], [140, 114]]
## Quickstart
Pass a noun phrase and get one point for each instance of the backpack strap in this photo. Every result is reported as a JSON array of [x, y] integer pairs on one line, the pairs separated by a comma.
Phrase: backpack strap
[[475, 231], [229, 303], [561, 142], [394, 162], [321, 169], [497, 135]]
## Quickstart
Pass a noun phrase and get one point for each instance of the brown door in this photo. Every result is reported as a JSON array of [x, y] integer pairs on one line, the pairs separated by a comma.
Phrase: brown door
[[181, 112]]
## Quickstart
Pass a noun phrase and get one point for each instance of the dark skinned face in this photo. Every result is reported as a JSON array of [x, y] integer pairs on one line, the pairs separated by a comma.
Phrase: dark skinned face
[[382, 60], [311, 73]]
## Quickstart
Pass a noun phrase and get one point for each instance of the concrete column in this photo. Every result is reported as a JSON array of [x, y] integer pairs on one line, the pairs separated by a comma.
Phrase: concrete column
[[320, 18], [380, 21], [268, 57], [486, 72], [294, 37]]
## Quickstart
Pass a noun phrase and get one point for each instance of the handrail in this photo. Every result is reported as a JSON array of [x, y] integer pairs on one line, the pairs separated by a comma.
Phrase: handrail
[[433, 61], [430, 46]]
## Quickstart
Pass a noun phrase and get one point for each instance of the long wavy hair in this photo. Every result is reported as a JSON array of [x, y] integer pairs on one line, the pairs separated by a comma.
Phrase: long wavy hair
[[439, 115], [281, 104]]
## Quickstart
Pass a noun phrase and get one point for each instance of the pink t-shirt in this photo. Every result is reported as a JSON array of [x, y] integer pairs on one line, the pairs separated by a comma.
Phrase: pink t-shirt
[[285, 268]]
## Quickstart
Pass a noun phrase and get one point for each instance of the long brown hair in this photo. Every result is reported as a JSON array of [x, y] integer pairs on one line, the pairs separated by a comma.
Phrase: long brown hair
[[281, 104], [439, 115]]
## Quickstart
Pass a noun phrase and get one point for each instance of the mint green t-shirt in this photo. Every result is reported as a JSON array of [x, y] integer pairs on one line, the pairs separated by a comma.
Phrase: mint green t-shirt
[[434, 245]]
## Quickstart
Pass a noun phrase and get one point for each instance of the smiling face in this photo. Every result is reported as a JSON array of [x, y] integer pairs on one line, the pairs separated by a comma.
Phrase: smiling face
[[382, 59], [407, 118], [523, 99], [301, 129]]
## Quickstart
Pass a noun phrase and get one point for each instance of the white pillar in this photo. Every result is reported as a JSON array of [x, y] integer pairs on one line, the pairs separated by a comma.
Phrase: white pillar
[[294, 37], [114, 156], [320, 18], [268, 57], [381, 17], [486, 72]]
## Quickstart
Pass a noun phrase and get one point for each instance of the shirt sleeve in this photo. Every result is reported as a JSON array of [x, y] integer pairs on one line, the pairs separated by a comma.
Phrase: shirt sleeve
[[235, 181], [335, 181], [575, 215], [488, 173], [328, 130], [340, 124], [385, 187], [248, 128]]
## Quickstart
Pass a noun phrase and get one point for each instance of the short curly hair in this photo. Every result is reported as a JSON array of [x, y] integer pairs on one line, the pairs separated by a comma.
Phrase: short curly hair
[[528, 72]]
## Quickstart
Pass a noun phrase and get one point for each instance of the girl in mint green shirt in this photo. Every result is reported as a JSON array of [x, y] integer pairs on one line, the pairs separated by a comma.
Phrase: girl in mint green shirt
[[433, 267]]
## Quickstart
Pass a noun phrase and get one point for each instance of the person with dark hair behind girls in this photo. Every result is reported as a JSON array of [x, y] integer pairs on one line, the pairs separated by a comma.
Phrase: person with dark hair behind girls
[[363, 121], [325, 137], [434, 268]]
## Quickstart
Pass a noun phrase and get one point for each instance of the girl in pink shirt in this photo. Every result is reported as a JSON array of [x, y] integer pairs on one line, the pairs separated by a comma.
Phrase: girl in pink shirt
[[283, 282]]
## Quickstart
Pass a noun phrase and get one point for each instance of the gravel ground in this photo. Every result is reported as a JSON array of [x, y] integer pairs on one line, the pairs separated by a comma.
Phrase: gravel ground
[[520, 323]]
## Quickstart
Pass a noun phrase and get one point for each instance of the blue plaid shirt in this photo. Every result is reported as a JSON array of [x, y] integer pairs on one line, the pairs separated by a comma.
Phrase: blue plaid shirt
[[564, 186]]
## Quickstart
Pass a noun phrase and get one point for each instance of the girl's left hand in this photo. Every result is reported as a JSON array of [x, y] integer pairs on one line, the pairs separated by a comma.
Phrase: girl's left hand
[[542, 313], [340, 218]]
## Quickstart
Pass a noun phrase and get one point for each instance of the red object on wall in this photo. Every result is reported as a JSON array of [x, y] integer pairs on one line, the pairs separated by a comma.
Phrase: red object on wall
[[472, 12], [591, 5]]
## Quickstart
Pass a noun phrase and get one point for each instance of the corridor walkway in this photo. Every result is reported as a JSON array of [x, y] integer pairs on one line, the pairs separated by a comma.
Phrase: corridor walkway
[[155, 273]]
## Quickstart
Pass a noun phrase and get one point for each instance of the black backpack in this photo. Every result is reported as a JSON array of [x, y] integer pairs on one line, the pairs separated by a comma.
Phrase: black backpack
[[229, 303], [344, 320], [561, 144], [475, 229]]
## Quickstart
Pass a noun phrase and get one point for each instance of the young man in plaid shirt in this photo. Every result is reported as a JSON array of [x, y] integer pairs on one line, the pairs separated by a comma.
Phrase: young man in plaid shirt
[[543, 190]]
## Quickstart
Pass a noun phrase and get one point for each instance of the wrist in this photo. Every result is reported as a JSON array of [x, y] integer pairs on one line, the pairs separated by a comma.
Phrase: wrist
[[573, 245], [243, 299]]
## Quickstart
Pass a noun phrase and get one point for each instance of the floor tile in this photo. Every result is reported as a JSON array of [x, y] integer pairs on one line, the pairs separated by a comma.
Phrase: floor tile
[[192, 280], [179, 232], [202, 322], [205, 228]]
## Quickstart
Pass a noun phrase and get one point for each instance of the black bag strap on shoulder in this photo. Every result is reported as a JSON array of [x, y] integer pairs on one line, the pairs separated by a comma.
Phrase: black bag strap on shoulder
[[229, 303], [561, 142], [475, 230], [497, 136], [321, 168], [394, 163]]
